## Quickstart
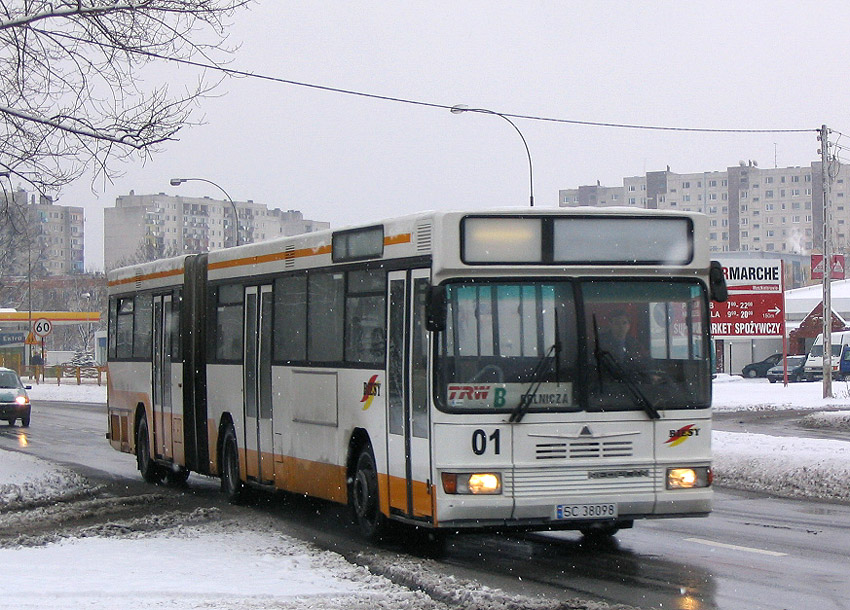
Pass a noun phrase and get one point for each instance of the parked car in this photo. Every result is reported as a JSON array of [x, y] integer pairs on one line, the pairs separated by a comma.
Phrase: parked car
[[844, 365], [840, 342], [796, 364], [14, 401], [760, 368]]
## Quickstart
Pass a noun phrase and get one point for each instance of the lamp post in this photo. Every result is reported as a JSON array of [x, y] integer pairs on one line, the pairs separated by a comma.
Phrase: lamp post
[[87, 339], [460, 108], [179, 181]]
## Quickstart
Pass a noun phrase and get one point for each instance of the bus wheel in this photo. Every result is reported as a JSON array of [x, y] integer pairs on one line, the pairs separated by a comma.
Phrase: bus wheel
[[147, 467], [364, 496], [231, 484]]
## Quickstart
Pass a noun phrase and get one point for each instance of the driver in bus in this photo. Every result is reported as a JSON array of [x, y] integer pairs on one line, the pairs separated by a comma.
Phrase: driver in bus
[[617, 339]]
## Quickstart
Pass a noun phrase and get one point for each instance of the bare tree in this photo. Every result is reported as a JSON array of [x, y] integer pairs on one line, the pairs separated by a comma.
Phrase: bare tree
[[21, 245], [73, 96], [148, 250]]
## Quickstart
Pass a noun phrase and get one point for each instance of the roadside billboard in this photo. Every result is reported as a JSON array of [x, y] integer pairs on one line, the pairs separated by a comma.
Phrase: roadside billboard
[[756, 304]]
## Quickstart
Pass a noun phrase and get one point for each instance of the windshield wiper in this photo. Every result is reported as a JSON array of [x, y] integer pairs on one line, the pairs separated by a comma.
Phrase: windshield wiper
[[606, 360], [536, 379]]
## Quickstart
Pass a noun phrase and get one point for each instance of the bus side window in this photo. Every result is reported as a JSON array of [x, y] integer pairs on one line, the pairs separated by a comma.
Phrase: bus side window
[[143, 326], [290, 318], [124, 328], [229, 319], [365, 316], [325, 305]]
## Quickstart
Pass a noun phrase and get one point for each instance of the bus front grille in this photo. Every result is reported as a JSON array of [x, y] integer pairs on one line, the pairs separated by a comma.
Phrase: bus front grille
[[584, 449], [542, 482]]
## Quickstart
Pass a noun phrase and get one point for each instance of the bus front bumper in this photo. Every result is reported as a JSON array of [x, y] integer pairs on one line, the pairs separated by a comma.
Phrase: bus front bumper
[[569, 512]]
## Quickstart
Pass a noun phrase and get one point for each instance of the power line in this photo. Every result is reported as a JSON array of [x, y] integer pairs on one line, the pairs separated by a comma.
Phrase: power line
[[388, 98]]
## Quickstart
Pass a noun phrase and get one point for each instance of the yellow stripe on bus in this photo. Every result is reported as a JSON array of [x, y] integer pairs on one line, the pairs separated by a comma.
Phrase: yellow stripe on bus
[[147, 277], [391, 240], [270, 258]]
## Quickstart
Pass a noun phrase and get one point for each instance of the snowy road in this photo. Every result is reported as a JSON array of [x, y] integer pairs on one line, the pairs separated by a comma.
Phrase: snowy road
[[737, 558]]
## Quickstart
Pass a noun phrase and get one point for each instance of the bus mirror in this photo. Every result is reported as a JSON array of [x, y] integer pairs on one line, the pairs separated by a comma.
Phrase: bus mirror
[[717, 283], [436, 309]]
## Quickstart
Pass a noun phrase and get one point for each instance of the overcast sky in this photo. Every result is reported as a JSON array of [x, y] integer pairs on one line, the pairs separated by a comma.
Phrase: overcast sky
[[345, 159]]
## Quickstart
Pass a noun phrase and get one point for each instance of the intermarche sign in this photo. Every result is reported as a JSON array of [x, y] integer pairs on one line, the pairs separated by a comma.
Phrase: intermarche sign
[[756, 304]]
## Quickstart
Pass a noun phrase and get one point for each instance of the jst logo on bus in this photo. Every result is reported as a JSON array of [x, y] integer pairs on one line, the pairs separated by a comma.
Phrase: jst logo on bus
[[677, 437], [371, 389]]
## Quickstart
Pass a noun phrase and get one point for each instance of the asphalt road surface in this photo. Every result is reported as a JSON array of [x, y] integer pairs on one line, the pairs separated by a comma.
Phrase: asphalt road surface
[[753, 551]]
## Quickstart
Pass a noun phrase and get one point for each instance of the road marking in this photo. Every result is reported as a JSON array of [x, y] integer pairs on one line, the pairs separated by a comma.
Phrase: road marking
[[735, 547]]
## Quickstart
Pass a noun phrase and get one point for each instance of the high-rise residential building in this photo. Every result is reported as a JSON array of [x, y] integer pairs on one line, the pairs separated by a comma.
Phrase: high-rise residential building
[[750, 209], [154, 226], [53, 236]]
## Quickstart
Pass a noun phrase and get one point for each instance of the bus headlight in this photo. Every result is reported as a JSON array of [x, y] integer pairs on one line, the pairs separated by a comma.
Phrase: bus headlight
[[689, 478], [472, 483]]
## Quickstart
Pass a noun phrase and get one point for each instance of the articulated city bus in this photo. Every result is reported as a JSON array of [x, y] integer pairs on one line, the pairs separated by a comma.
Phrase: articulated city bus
[[530, 369]]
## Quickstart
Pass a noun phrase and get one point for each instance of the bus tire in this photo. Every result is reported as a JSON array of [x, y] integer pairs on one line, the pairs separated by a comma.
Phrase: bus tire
[[149, 470], [364, 496], [231, 484]]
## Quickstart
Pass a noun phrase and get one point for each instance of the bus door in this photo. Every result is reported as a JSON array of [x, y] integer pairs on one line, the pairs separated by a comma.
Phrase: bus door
[[408, 422], [161, 378], [256, 379]]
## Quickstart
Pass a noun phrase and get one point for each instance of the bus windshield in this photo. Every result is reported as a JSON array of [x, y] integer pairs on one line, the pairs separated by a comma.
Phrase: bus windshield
[[595, 345]]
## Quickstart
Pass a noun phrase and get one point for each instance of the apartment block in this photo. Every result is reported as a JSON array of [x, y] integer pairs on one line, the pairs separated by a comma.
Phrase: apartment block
[[154, 226], [750, 209], [54, 236]]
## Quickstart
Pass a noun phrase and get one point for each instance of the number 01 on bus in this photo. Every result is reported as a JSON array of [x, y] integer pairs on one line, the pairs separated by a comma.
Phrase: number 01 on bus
[[454, 371]]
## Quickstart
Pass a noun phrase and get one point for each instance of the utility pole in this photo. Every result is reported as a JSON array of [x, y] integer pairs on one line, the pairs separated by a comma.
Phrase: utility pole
[[827, 263]]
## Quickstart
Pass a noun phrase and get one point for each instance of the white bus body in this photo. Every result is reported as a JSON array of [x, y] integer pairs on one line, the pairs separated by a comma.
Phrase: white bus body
[[449, 370]]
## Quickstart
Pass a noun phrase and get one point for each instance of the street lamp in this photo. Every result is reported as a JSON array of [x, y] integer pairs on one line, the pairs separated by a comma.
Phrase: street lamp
[[459, 108], [179, 181]]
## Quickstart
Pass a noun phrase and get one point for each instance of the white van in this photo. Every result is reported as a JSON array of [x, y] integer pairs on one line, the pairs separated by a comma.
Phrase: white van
[[814, 362]]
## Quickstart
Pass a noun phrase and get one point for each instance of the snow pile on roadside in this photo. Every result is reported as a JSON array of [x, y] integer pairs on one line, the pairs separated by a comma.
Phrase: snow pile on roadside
[[830, 420], [27, 480], [67, 392], [428, 576], [784, 466], [243, 568]]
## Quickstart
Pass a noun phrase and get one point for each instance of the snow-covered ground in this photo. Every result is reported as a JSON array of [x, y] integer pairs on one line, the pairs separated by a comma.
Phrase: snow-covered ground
[[734, 393], [782, 465], [158, 570]]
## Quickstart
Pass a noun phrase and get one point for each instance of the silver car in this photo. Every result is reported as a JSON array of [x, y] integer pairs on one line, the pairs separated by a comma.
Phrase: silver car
[[14, 401]]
